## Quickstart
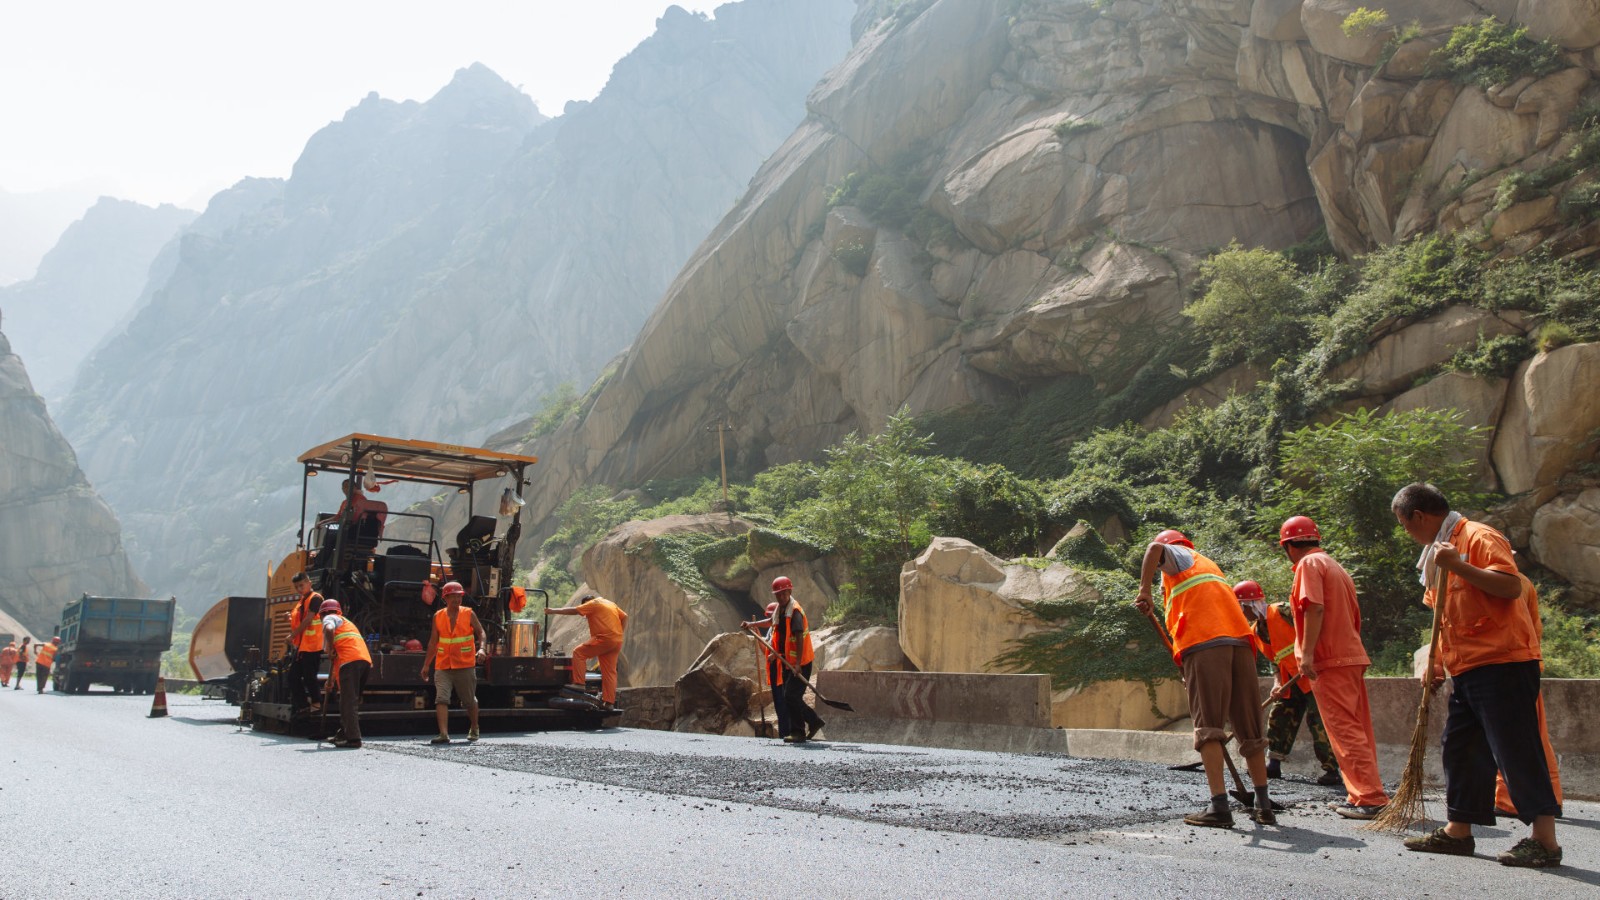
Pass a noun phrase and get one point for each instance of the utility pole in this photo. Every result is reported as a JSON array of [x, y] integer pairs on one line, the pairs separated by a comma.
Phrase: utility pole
[[722, 428]]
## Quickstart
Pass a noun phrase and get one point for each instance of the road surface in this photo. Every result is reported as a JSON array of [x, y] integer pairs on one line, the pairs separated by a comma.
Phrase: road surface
[[105, 802]]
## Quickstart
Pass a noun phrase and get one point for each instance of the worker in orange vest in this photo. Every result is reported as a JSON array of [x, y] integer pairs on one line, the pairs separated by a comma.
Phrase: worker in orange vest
[[791, 639], [347, 671], [606, 624], [771, 664], [42, 662], [1213, 644], [8, 661], [454, 648], [305, 640], [1292, 700]]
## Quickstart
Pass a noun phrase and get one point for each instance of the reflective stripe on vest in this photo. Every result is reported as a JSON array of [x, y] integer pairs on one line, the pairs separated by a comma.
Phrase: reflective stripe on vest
[[309, 612], [1201, 607], [1280, 628], [797, 650], [47, 655], [348, 645], [455, 651]]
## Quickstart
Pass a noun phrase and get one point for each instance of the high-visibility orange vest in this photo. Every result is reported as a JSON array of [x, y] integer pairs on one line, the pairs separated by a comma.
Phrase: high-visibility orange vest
[[305, 621], [349, 645], [1280, 642], [1201, 606], [457, 649], [47, 655], [796, 648]]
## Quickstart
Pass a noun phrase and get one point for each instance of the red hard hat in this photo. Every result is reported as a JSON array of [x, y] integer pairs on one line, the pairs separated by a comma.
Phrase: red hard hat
[[782, 583], [413, 645], [1298, 528], [772, 607], [55, 640], [453, 587], [1249, 590], [1172, 536], [330, 606]]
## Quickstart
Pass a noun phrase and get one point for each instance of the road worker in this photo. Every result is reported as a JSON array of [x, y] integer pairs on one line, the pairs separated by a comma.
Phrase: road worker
[[8, 661], [350, 661], [454, 648], [1489, 645], [791, 640], [305, 641], [771, 665], [606, 624], [42, 662], [1328, 648], [22, 662], [1211, 642], [1292, 700]]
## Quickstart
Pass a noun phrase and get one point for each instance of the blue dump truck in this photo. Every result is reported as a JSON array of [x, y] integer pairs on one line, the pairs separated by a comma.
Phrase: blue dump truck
[[113, 641]]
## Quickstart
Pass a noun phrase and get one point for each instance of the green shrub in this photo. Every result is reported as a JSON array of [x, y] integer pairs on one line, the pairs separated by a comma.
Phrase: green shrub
[[1570, 643], [1070, 127], [1253, 308], [861, 609], [993, 508], [1363, 20], [1488, 54], [679, 556], [770, 543], [854, 258], [554, 408], [1554, 335], [1495, 357]]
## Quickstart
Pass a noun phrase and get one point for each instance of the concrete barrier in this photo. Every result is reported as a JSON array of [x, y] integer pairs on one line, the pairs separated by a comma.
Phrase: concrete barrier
[[1008, 713]]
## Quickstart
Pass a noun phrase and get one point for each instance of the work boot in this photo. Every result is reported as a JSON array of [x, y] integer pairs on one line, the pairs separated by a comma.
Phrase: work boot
[[1331, 778], [1209, 818], [1530, 854], [472, 733], [440, 739], [1440, 841], [795, 739], [811, 730], [1365, 813], [1274, 768], [347, 744], [1263, 816]]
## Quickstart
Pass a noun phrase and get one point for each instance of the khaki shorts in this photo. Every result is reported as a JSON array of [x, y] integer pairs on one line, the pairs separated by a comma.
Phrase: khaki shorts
[[1223, 689], [448, 683]]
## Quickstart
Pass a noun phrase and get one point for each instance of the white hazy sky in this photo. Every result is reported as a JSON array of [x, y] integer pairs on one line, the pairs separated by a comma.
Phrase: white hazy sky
[[171, 100]]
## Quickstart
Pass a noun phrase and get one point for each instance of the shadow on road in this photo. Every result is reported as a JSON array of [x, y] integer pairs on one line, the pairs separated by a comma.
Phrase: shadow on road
[[1290, 839]]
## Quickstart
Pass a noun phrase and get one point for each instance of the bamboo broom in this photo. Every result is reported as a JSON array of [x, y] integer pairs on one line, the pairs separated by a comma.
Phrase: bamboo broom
[[1406, 806]]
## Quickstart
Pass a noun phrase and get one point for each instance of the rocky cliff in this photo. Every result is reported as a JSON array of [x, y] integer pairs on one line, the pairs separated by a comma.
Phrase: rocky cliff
[[1065, 165], [58, 540], [85, 286], [429, 269]]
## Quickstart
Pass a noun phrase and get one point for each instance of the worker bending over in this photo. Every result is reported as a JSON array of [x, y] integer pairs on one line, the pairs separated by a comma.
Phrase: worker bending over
[[1327, 625], [347, 670], [1292, 700], [43, 662], [606, 623], [1490, 648], [454, 648], [1211, 642]]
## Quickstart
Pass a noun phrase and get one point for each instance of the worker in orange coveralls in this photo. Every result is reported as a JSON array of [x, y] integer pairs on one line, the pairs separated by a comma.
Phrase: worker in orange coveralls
[[1502, 794], [8, 661], [606, 624], [1327, 625]]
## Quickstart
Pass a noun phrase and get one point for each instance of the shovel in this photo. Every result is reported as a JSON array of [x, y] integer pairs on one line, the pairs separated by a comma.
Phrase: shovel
[[1248, 798], [836, 704]]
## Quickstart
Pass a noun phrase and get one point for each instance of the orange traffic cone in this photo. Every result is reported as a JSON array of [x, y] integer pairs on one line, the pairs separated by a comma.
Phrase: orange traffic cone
[[158, 708]]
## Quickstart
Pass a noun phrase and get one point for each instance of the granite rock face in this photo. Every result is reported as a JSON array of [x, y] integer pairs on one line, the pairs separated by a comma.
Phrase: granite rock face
[[58, 539]]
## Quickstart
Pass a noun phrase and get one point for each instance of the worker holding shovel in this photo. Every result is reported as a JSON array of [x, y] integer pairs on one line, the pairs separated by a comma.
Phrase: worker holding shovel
[[1210, 641], [791, 640]]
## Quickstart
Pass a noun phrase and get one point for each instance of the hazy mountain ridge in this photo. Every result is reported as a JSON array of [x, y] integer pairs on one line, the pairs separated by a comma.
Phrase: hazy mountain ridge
[[428, 269]]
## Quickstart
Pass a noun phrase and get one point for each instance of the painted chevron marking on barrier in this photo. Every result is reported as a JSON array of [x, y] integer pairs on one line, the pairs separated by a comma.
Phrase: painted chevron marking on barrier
[[915, 699]]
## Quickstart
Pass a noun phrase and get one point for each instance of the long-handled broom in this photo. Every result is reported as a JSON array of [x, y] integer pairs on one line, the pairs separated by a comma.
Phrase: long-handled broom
[[1406, 805]]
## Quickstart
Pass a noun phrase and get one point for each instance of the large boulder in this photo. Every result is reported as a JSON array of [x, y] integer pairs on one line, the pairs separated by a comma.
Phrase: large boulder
[[720, 690], [1551, 413], [1397, 360], [1566, 539], [668, 623], [961, 606], [874, 649]]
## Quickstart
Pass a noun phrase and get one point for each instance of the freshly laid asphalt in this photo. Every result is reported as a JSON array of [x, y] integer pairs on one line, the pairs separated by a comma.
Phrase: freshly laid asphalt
[[107, 802]]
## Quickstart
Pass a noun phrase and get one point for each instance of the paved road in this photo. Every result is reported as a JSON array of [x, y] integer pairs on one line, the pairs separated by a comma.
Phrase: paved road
[[116, 804]]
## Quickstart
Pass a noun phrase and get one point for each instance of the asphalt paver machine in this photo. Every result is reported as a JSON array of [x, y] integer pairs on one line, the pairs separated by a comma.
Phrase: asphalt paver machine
[[386, 568]]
